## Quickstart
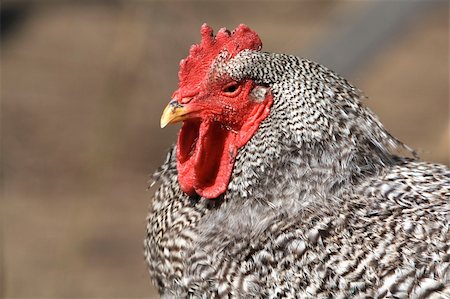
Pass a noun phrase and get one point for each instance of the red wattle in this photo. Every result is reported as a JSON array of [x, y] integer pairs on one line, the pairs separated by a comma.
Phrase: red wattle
[[207, 151], [207, 169]]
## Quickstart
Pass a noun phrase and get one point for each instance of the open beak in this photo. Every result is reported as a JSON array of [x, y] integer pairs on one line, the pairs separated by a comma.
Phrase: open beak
[[174, 112]]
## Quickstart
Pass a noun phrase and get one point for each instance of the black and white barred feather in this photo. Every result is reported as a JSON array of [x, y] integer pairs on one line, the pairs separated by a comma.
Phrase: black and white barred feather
[[320, 204]]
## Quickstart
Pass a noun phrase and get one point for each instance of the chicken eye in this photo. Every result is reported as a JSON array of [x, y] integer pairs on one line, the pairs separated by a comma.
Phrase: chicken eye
[[231, 88]]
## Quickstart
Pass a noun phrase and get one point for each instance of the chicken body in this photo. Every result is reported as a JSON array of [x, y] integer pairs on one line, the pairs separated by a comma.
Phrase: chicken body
[[319, 203]]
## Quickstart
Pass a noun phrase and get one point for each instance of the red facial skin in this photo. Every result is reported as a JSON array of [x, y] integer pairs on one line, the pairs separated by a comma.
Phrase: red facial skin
[[222, 115], [222, 119]]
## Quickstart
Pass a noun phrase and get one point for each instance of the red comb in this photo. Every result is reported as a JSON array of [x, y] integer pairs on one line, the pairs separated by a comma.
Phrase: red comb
[[196, 65]]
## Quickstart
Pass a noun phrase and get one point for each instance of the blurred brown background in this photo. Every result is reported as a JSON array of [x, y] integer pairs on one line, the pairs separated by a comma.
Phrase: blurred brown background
[[83, 86]]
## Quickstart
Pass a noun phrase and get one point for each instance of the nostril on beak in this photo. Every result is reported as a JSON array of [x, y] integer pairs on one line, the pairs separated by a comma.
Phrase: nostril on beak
[[174, 104]]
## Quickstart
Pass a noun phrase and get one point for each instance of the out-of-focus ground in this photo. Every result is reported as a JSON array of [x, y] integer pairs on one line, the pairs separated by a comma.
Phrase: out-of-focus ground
[[83, 86]]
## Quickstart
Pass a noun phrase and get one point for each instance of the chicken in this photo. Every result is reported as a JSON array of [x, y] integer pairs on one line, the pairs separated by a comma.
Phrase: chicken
[[283, 185]]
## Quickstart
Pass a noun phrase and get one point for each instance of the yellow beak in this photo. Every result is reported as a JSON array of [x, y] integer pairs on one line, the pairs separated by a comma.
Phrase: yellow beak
[[174, 112]]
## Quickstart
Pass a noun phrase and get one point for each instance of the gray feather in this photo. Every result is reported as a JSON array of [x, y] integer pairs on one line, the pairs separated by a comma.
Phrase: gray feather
[[320, 204]]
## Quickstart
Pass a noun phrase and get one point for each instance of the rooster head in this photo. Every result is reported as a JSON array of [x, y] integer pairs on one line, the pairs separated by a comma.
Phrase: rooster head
[[220, 113]]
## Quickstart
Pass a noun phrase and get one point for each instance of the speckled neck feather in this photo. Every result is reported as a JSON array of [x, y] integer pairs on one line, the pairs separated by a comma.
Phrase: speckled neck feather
[[320, 203]]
